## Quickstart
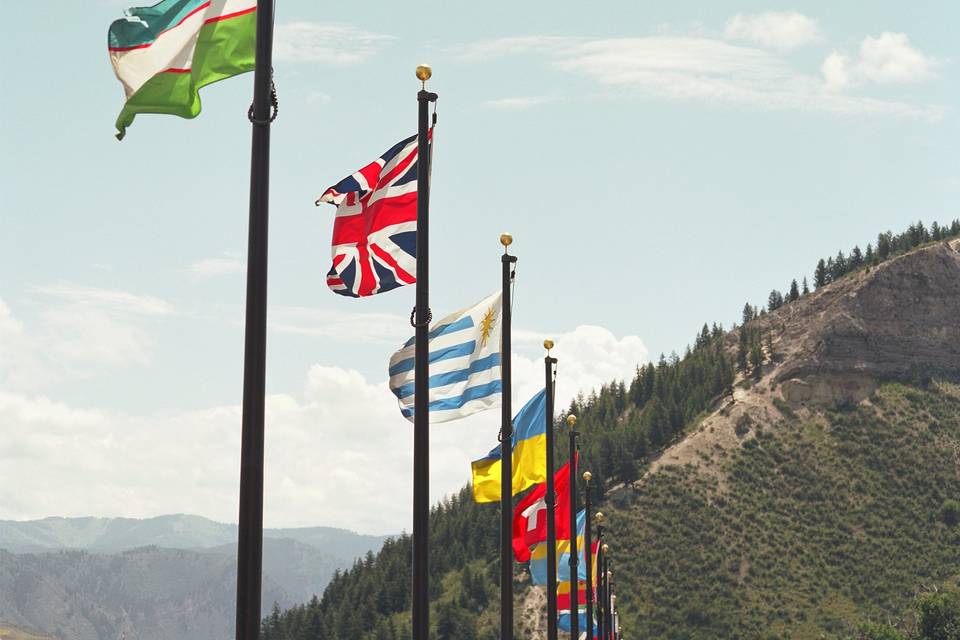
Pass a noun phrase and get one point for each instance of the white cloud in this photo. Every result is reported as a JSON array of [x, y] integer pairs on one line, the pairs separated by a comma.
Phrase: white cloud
[[81, 331], [326, 43], [337, 453], [518, 103], [780, 30], [886, 59], [109, 300], [889, 58], [836, 71], [213, 267], [354, 327], [704, 69]]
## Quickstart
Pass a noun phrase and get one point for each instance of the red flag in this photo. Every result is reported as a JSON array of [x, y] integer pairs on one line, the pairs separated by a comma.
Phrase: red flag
[[530, 515]]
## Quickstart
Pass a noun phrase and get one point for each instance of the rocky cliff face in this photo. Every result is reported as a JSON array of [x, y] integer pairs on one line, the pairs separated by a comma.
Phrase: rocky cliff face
[[900, 320]]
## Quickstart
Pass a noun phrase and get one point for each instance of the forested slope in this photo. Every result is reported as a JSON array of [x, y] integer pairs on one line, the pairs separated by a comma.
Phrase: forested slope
[[789, 478]]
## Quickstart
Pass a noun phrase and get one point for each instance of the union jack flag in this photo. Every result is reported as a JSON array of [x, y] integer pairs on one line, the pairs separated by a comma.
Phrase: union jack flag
[[375, 231]]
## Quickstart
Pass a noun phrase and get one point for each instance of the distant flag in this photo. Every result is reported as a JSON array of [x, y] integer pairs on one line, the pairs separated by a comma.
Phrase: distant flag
[[375, 231], [464, 364], [563, 607], [529, 454], [164, 54], [530, 514], [538, 556]]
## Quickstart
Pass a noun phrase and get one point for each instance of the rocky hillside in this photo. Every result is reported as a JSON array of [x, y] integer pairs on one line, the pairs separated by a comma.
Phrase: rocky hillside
[[814, 497]]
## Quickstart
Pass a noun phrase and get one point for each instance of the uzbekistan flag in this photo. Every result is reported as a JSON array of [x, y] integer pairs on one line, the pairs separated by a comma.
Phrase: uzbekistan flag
[[163, 54], [529, 454]]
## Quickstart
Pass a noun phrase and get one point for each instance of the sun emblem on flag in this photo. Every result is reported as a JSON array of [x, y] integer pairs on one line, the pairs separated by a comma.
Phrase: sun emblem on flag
[[486, 326]]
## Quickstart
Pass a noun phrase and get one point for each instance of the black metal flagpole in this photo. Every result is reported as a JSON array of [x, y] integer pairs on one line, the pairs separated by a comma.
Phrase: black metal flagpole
[[506, 448], [574, 561], [250, 522], [421, 400], [607, 574], [601, 578], [588, 551], [550, 495]]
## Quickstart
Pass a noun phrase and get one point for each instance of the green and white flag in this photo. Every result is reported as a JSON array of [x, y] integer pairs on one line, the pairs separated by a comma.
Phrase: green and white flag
[[163, 54]]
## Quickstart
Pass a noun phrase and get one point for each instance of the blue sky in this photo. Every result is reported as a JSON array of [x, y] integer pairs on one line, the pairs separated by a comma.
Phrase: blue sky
[[658, 164]]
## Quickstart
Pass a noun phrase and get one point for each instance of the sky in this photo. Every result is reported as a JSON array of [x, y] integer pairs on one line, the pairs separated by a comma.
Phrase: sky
[[658, 164]]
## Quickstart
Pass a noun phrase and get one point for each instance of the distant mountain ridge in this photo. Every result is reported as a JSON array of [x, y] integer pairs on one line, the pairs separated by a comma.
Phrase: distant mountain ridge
[[162, 578], [175, 531]]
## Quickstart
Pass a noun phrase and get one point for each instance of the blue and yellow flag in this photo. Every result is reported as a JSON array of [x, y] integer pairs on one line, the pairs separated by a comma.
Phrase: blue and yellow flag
[[529, 454], [538, 556]]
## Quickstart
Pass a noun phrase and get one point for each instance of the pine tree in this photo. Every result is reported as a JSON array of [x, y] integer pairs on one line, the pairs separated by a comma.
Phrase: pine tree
[[742, 350], [820, 274], [756, 359], [747, 313], [883, 245], [856, 258], [839, 267], [935, 232], [774, 300], [794, 294], [806, 287], [870, 257]]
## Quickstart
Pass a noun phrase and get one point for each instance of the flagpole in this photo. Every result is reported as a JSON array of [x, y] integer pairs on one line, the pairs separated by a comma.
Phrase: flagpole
[[601, 556], [506, 449], [250, 522], [607, 574], [588, 551], [573, 562], [551, 497], [421, 400]]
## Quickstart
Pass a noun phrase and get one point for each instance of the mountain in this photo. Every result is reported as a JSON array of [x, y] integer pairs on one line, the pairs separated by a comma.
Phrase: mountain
[[166, 577], [795, 477], [178, 531]]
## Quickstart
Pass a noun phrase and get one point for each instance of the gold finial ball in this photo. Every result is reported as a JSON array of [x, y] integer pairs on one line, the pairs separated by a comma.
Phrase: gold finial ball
[[506, 239], [599, 517], [424, 72], [606, 548], [613, 597], [571, 420], [548, 344], [587, 476]]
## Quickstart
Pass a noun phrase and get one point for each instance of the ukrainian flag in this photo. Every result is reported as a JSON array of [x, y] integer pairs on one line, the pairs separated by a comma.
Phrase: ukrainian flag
[[529, 454]]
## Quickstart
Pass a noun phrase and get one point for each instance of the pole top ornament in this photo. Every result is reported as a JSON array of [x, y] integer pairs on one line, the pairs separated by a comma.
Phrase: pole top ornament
[[506, 239], [587, 476], [571, 420], [548, 344], [599, 517], [606, 548], [424, 72]]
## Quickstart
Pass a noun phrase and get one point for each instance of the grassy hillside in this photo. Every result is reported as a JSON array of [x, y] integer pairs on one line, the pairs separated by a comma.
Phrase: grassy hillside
[[9, 633], [820, 520]]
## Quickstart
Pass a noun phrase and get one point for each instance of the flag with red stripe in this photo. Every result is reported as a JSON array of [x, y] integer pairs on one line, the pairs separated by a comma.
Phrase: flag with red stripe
[[375, 230]]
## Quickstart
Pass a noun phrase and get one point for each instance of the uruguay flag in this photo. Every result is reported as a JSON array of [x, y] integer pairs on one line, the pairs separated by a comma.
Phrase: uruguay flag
[[464, 364]]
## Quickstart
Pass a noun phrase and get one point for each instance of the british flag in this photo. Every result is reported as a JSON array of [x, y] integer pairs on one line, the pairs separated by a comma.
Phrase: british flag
[[375, 232]]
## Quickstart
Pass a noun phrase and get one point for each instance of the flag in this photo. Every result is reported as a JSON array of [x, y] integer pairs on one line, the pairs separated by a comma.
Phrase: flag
[[529, 454], [464, 364], [538, 556], [375, 231], [563, 608], [163, 54], [530, 514]]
